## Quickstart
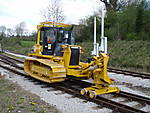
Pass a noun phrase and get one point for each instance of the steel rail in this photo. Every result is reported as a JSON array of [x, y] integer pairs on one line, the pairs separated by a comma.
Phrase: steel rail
[[131, 73], [86, 84], [83, 83], [131, 96], [99, 100], [14, 65], [12, 70], [115, 106], [17, 60], [6, 60], [118, 71], [135, 97]]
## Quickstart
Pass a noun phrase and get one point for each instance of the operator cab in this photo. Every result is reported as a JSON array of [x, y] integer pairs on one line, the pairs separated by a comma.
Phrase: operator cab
[[51, 39]]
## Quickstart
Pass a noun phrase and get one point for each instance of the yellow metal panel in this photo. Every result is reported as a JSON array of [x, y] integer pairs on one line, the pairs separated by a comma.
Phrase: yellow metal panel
[[55, 24]]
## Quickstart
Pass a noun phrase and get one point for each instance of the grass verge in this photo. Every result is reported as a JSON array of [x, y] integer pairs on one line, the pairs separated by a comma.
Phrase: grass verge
[[131, 55], [17, 45], [13, 99]]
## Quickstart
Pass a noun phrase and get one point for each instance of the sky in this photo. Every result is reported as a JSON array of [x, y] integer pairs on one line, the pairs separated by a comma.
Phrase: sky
[[13, 12]]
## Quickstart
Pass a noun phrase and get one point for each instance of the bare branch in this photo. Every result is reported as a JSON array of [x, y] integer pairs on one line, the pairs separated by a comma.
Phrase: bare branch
[[117, 5], [53, 12], [20, 29], [2, 30]]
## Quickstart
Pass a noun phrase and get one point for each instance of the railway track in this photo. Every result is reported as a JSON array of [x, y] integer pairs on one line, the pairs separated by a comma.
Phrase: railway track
[[130, 73], [73, 87], [11, 59], [118, 71]]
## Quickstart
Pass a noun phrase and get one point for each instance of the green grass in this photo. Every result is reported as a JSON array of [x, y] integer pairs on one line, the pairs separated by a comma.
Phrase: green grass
[[125, 54], [17, 45], [130, 54], [13, 99], [27, 44], [87, 48]]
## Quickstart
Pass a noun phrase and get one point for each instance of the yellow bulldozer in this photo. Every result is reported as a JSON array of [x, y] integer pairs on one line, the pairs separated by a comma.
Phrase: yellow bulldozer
[[56, 58]]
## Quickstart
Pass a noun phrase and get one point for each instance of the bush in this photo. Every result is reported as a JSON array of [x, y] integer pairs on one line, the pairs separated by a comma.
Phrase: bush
[[131, 36]]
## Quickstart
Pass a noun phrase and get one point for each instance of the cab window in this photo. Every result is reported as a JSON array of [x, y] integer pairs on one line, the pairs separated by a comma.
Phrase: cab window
[[50, 36]]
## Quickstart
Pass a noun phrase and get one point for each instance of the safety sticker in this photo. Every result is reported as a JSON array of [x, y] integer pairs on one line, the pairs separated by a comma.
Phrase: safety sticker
[[49, 46]]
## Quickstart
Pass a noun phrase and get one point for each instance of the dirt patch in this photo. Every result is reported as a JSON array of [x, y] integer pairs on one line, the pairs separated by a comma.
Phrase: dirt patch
[[13, 99]]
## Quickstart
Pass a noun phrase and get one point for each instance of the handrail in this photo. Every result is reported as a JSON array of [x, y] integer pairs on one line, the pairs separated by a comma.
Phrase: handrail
[[55, 24]]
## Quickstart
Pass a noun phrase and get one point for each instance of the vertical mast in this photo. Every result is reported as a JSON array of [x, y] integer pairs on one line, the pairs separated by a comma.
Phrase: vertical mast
[[95, 51], [103, 46], [94, 32], [102, 23]]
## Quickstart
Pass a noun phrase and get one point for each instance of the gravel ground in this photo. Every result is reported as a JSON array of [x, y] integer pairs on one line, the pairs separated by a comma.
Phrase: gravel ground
[[62, 101], [67, 104], [135, 81], [132, 84]]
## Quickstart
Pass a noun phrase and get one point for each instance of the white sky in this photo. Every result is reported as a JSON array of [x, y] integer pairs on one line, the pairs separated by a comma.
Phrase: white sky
[[13, 12]]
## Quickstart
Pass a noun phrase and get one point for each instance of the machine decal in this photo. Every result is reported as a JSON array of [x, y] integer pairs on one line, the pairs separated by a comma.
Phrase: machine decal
[[49, 46]]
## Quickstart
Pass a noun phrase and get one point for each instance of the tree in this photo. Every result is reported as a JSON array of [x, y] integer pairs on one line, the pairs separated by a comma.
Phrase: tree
[[117, 5], [10, 32], [130, 23], [53, 12], [34, 35], [139, 18], [85, 29], [2, 31], [20, 29], [146, 22]]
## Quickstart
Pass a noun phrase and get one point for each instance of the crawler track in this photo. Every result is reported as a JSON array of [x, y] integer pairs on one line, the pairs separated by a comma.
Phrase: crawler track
[[73, 87]]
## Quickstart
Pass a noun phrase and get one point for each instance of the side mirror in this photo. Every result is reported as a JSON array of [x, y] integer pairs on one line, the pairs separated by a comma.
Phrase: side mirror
[[41, 42]]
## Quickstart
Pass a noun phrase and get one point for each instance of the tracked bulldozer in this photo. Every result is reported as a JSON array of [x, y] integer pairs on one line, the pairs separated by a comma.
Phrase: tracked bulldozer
[[56, 58]]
